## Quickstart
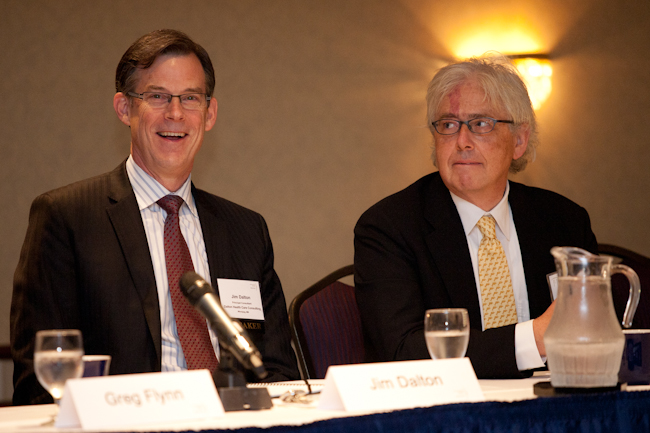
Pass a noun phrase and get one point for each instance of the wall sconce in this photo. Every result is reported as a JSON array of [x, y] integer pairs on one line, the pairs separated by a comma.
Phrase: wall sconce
[[536, 71]]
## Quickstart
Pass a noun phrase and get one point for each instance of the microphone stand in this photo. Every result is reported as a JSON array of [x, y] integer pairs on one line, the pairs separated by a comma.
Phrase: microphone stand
[[231, 385]]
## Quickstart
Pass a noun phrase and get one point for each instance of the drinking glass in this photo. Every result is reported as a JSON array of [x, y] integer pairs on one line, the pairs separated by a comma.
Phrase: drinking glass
[[58, 357], [447, 332]]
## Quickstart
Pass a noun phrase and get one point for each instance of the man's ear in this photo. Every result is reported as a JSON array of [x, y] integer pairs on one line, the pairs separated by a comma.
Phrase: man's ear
[[211, 116], [122, 106], [522, 134]]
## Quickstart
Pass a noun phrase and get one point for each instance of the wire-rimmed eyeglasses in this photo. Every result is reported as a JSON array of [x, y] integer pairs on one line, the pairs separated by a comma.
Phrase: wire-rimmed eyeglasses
[[189, 101], [480, 125]]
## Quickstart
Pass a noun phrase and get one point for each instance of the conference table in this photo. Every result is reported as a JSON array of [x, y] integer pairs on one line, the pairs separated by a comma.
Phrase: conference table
[[510, 406]]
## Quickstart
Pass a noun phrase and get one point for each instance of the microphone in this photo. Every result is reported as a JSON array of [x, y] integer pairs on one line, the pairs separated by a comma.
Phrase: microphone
[[230, 333]]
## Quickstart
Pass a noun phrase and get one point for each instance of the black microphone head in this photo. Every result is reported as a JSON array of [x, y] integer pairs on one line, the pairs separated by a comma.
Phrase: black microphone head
[[257, 366], [194, 286]]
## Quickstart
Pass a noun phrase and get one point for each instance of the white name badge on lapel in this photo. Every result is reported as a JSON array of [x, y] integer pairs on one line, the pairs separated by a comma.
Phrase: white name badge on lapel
[[124, 400], [552, 280], [399, 385], [241, 298]]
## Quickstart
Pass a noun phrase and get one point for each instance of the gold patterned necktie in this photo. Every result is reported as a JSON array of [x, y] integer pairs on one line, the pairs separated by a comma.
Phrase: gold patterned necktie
[[494, 277]]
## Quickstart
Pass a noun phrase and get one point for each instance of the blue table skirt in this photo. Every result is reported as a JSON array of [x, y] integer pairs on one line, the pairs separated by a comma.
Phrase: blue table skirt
[[607, 413]]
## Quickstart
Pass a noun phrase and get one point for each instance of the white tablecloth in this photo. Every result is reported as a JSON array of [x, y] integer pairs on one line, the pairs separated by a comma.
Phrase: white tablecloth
[[27, 419]]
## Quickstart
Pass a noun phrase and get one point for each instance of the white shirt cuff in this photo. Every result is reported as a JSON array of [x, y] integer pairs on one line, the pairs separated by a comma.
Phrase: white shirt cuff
[[526, 352]]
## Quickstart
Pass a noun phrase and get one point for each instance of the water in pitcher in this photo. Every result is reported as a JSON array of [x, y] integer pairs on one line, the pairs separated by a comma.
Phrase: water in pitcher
[[587, 351], [588, 365]]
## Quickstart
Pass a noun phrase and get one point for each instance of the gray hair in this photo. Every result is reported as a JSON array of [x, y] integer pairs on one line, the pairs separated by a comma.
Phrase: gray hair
[[503, 87]]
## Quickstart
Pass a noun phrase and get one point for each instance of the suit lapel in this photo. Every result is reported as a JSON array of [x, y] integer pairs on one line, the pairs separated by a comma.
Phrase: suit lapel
[[127, 223], [448, 247], [532, 233], [215, 236]]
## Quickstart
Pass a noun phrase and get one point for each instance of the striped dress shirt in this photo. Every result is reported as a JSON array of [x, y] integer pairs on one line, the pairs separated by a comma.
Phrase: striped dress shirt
[[147, 192]]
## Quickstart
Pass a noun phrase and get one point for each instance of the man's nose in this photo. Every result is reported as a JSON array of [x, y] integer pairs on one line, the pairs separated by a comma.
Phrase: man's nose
[[175, 109], [464, 137]]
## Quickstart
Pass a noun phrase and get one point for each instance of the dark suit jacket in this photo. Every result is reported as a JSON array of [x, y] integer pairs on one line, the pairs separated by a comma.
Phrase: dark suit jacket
[[85, 264], [411, 255]]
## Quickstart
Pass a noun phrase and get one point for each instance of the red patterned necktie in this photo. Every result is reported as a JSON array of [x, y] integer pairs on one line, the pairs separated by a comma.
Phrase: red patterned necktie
[[192, 329]]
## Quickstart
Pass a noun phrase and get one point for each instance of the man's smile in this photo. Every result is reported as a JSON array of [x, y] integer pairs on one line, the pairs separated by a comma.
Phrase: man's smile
[[172, 135]]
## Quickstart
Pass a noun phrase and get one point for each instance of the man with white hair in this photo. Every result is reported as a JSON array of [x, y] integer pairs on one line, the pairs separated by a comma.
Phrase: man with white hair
[[429, 245]]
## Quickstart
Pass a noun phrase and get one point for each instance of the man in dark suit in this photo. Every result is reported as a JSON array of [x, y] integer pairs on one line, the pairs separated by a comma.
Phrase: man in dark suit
[[419, 248], [94, 257]]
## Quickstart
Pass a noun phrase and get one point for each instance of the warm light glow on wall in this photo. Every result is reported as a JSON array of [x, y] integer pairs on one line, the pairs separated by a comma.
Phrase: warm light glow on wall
[[536, 72], [510, 41], [509, 36], [502, 32]]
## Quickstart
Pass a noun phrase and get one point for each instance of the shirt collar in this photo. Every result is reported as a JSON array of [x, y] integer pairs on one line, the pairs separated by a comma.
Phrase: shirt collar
[[470, 213], [148, 190]]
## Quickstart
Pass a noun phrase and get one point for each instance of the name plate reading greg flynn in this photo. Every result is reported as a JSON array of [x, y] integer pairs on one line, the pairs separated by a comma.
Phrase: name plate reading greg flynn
[[399, 385], [95, 403]]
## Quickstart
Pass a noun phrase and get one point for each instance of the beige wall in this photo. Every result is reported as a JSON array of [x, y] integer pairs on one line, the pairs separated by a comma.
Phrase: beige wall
[[321, 109]]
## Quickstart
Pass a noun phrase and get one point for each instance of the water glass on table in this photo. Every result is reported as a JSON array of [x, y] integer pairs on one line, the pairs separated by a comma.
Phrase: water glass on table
[[447, 332], [58, 357]]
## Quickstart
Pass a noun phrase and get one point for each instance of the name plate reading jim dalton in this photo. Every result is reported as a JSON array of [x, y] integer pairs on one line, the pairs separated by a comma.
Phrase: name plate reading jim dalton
[[95, 403], [400, 385]]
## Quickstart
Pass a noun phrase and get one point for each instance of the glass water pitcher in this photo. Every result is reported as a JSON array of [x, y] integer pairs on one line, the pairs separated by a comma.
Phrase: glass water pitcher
[[584, 341]]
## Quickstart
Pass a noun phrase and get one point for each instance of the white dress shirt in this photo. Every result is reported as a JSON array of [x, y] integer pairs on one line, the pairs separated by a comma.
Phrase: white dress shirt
[[147, 192], [526, 352]]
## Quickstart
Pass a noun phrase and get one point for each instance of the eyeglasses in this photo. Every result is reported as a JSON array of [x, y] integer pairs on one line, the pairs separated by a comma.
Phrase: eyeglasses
[[481, 125], [189, 101]]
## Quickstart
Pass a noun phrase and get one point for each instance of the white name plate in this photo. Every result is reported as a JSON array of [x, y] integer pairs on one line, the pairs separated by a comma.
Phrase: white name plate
[[124, 400], [399, 385]]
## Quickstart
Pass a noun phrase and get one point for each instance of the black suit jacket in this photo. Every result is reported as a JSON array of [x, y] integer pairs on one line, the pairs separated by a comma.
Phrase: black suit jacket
[[85, 264], [411, 255]]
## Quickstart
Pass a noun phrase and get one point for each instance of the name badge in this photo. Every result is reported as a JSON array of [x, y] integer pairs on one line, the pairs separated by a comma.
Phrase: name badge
[[399, 385], [552, 280], [241, 299], [101, 403]]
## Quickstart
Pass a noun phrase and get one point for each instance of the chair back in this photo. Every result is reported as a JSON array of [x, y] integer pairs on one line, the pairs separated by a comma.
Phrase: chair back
[[6, 369], [621, 287], [325, 325]]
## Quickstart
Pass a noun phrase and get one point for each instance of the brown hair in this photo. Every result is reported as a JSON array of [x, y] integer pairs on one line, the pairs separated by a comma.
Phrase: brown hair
[[143, 52]]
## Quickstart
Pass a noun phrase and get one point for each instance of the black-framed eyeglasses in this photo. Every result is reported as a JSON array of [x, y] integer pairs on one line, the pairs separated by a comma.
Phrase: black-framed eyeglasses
[[480, 125], [189, 101]]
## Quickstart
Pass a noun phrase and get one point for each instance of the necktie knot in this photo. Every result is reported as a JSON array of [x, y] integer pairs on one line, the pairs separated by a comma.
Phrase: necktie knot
[[487, 226], [171, 203]]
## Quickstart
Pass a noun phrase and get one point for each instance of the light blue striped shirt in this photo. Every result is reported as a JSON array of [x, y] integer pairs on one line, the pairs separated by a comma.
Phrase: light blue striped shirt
[[147, 192]]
